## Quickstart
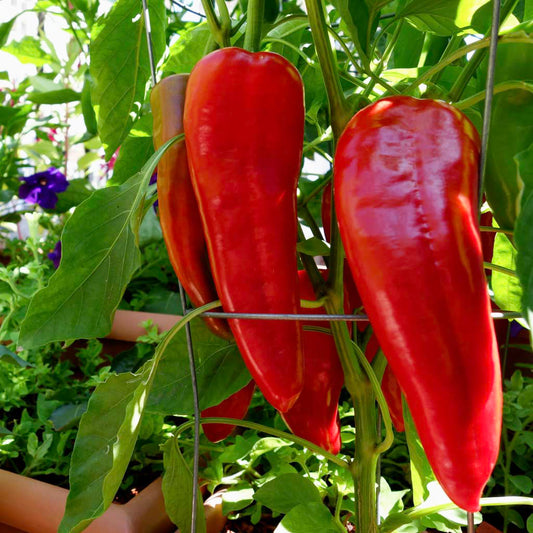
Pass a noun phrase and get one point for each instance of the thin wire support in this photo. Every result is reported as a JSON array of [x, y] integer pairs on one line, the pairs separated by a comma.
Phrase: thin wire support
[[192, 366], [471, 528], [489, 91], [148, 30], [190, 348], [331, 318]]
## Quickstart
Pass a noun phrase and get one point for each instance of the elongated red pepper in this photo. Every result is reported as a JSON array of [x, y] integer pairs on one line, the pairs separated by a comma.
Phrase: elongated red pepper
[[235, 406], [178, 209], [314, 416], [406, 200], [244, 121]]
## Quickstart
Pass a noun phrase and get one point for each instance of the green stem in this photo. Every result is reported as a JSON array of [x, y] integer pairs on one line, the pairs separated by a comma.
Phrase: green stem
[[396, 520], [498, 268], [310, 221], [462, 81], [461, 52], [496, 230], [254, 21], [498, 88], [225, 22], [339, 110], [270, 431]]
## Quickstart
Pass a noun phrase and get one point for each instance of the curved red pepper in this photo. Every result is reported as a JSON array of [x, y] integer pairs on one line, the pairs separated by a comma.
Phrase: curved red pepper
[[244, 119], [314, 416], [235, 406], [406, 200], [178, 209]]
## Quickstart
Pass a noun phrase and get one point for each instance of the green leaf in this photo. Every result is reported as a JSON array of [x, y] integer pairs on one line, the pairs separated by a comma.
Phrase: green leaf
[[120, 66], [286, 492], [89, 116], [100, 255], [28, 50], [523, 483], [60, 96], [309, 518], [177, 489], [187, 51], [67, 416], [356, 17], [135, 150], [524, 233], [529, 524], [507, 290], [443, 17], [7, 356], [421, 473], [5, 30], [220, 371], [313, 247], [237, 498], [104, 444], [78, 191]]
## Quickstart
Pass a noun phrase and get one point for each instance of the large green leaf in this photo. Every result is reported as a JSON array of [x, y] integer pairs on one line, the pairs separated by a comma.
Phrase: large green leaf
[[356, 17], [187, 50], [28, 50], [220, 372], [100, 254], [5, 30], [524, 233], [120, 66], [309, 518], [507, 290], [135, 150], [104, 444], [177, 489], [443, 17], [287, 491]]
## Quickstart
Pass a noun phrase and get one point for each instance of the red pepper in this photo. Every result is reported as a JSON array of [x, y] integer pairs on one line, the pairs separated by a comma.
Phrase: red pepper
[[235, 406], [314, 416], [406, 200], [178, 210], [244, 120]]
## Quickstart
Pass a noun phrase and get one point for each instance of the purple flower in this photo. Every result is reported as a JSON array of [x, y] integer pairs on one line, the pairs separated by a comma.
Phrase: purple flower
[[41, 188], [55, 254], [153, 179]]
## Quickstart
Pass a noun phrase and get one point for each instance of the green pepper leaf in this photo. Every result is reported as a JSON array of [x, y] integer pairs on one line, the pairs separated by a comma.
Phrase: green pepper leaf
[[524, 233], [507, 290], [120, 66], [309, 518], [177, 489], [220, 371], [286, 492], [443, 17]]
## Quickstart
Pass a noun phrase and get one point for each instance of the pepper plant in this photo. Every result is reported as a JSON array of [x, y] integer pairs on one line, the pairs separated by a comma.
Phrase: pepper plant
[[263, 75]]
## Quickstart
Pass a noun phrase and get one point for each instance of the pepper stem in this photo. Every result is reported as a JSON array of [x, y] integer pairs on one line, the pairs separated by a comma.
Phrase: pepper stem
[[254, 21]]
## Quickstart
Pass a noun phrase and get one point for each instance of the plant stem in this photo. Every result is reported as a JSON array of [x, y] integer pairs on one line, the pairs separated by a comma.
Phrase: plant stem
[[462, 81], [254, 21], [270, 431], [339, 110], [225, 22]]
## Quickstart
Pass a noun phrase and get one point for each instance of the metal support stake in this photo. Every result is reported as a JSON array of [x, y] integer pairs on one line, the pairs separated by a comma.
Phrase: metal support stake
[[190, 349]]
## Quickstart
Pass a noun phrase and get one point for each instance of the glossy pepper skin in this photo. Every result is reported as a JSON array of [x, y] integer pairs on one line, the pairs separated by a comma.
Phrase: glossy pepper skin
[[406, 200], [314, 416], [178, 209], [235, 406], [244, 119]]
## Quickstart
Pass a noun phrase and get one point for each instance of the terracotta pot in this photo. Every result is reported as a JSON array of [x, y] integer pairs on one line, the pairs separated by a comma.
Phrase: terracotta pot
[[31, 506], [127, 324]]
